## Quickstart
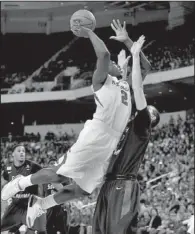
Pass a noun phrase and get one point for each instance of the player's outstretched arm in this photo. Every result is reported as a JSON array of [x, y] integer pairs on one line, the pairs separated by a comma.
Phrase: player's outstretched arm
[[122, 36], [137, 82], [103, 58]]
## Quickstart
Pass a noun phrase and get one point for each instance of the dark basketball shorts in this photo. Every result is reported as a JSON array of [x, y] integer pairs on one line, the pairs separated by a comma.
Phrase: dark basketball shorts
[[15, 216], [117, 208], [56, 220]]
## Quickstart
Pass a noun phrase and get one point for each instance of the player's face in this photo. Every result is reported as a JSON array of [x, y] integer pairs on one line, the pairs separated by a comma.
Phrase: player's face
[[19, 154], [114, 69]]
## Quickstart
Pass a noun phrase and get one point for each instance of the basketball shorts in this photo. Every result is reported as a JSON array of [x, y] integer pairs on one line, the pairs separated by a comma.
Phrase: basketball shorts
[[88, 159], [15, 216], [117, 208]]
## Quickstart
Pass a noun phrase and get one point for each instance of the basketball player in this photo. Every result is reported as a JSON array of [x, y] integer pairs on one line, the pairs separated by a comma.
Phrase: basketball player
[[87, 160], [118, 201], [15, 214]]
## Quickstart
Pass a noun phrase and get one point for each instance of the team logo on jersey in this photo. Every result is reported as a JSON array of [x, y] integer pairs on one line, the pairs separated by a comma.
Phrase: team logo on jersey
[[27, 167], [122, 84]]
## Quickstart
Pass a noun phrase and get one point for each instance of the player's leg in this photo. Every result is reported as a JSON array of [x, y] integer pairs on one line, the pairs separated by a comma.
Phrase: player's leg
[[100, 214], [130, 208], [37, 205], [122, 215], [69, 192], [40, 224], [44, 176], [13, 216]]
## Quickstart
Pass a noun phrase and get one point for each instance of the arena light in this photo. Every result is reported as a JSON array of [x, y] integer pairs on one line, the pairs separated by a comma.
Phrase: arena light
[[160, 92], [170, 90]]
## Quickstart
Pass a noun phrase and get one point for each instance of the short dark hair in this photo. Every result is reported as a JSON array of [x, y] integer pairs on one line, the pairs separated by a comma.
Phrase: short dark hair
[[17, 145]]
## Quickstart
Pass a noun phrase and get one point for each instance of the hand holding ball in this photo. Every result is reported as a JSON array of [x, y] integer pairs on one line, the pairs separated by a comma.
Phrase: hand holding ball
[[80, 21]]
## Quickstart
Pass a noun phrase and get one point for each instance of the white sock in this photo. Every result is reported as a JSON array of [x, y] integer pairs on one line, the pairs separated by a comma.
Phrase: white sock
[[25, 182], [48, 202]]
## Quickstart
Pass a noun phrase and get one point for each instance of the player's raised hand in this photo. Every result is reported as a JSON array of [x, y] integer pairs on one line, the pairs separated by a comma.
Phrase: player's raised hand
[[136, 47], [123, 63], [121, 58], [121, 32]]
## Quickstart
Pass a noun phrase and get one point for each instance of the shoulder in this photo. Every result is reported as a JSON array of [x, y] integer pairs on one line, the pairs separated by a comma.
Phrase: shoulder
[[96, 87]]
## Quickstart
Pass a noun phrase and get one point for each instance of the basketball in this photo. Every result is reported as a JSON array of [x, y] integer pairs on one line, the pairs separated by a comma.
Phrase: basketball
[[83, 18]]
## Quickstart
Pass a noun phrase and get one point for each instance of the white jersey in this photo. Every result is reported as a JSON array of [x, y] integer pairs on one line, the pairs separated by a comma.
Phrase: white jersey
[[113, 102], [88, 159]]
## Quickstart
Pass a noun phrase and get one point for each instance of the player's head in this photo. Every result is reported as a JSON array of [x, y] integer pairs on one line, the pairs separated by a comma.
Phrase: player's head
[[154, 115], [19, 153], [114, 69]]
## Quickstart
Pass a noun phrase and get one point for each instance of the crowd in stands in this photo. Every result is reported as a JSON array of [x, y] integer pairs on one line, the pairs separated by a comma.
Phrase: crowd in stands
[[171, 57], [166, 177], [165, 53]]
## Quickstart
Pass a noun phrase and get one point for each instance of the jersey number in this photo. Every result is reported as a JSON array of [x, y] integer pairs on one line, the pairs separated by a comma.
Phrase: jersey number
[[124, 97]]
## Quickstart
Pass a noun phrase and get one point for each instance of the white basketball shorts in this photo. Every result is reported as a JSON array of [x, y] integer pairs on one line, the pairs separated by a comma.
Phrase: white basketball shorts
[[88, 159]]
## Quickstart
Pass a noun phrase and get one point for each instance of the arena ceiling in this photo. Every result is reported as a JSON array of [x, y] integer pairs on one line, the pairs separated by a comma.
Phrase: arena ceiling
[[147, 5], [94, 6]]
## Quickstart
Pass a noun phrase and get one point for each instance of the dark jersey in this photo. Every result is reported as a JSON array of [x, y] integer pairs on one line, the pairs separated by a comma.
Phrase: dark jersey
[[132, 146], [26, 169], [49, 189]]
